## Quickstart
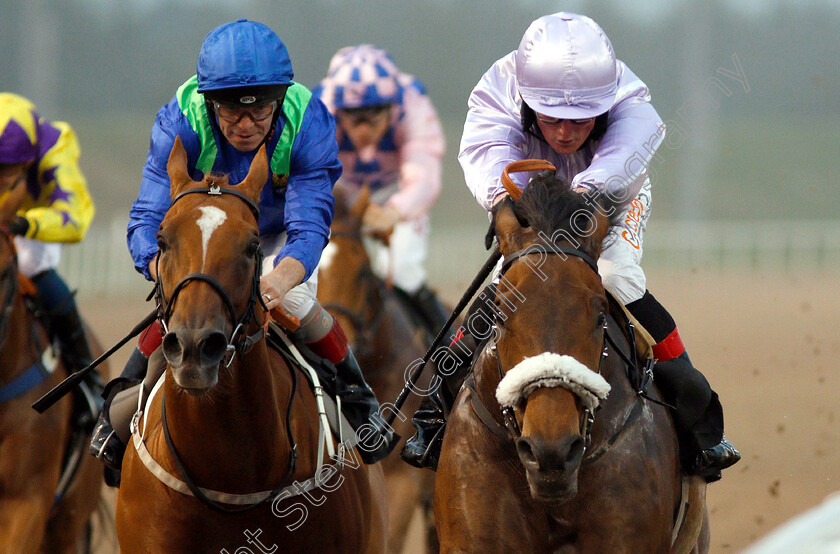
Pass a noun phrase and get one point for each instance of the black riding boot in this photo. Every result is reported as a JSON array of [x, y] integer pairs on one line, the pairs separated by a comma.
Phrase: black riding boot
[[698, 415], [423, 449], [360, 407], [430, 308], [104, 443], [698, 418], [75, 352]]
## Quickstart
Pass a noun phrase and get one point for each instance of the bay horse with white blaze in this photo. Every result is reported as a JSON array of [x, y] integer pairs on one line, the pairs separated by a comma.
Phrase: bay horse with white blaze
[[525, 464], [226, 452], [386, 342], [45, 504]]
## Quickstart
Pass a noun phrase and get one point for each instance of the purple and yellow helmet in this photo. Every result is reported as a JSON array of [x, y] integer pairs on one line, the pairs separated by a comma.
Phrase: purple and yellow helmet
[[18, 129]]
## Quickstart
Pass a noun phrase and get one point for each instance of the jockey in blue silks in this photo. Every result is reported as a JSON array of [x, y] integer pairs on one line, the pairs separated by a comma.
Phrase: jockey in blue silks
[[241, 98]]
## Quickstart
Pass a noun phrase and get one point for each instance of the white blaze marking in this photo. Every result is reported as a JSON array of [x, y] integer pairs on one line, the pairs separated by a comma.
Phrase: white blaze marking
[[328, 255], [211, 218]]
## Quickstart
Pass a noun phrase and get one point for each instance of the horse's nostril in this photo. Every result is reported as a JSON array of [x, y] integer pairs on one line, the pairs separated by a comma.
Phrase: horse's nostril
[[213, 348], [562, 455], [575, 452], [526, 452], [173, 350]]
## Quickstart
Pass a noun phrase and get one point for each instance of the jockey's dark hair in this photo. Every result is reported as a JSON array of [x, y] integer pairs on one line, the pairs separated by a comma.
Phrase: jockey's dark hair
[[529, 125]]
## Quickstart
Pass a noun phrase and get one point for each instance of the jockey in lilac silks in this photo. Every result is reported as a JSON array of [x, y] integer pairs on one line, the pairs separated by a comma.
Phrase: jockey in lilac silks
[[563, 96]]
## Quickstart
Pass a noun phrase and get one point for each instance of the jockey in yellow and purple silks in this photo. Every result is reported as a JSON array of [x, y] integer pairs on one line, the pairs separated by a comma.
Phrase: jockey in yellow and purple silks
[[43, 157], [241, 98], [390, 139]]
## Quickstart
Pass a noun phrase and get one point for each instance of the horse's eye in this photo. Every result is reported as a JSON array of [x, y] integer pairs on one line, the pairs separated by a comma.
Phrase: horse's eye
[[602, 318], [253, 248], [161, 242]]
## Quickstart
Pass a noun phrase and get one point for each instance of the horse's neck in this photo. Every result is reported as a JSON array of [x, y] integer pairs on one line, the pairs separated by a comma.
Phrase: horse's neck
[[247, 405], [487, 378], [18, 332], [243, 425]]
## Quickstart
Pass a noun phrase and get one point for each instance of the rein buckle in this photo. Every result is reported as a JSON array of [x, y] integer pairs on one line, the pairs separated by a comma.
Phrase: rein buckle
[[510, 422]]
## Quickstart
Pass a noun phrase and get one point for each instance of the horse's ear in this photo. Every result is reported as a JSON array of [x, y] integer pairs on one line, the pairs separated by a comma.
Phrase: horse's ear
[[508, 228], [361, 203], [176, 167], [253, 184]]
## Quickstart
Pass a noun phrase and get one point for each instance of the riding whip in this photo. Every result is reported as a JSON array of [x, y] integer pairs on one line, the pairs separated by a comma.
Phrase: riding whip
[[72, 380], [468, 295]]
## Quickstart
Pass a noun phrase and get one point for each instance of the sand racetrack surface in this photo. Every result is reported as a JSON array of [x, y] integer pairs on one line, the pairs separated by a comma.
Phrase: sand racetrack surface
[[768, 344]]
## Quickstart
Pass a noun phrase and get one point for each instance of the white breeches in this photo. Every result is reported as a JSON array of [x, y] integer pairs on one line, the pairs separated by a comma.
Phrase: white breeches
[[619, 264], [301, 299], [403, 262], [35, 256]]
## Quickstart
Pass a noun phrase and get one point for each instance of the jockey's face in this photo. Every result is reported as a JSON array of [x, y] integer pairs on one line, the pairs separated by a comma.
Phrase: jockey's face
[[245, 128], [11, 175], [365, 127], [565, 136]]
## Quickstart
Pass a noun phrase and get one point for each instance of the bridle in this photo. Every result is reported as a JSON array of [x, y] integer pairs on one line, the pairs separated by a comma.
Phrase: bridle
[[564, 252], [640, 380], [165, 307]]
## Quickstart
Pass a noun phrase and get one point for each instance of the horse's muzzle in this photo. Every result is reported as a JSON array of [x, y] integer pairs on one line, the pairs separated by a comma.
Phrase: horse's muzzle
[[194, 357], [551, 466]]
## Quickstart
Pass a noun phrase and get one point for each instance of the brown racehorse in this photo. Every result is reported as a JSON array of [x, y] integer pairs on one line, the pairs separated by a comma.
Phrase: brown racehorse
[[32, 445], [539, 476], [240, 434], [385, 342]]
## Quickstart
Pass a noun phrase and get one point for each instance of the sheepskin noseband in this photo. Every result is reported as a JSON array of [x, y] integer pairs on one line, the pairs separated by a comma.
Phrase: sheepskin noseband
[[551, 370]]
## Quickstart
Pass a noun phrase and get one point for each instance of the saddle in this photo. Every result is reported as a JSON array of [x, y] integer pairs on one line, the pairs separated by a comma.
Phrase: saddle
[[285, 343]]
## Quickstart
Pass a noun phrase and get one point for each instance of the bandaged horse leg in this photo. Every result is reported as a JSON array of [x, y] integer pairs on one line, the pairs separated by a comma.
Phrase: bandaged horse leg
[[423, 449]]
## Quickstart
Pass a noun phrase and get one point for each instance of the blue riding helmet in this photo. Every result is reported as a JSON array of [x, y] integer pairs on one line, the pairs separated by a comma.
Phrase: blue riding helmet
[[243, 63]]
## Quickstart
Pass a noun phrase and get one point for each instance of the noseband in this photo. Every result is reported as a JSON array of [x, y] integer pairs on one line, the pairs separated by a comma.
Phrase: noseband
[[249, 315], [511, 425]]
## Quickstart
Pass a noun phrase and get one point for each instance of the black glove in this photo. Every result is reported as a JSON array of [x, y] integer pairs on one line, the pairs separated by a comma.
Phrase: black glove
[[19, 226]]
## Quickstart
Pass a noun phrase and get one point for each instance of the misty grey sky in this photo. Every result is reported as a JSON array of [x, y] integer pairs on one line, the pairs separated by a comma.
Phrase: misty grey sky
[[108, 66]]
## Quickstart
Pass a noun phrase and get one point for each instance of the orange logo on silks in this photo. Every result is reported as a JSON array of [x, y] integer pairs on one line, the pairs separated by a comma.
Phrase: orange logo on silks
[[633, 219]]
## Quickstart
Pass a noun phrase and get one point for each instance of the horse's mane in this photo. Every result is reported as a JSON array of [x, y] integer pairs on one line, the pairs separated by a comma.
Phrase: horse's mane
[[549, 204]]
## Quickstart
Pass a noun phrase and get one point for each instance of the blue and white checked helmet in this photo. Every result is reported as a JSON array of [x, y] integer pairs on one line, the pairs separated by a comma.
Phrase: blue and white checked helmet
[[359, 77]]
